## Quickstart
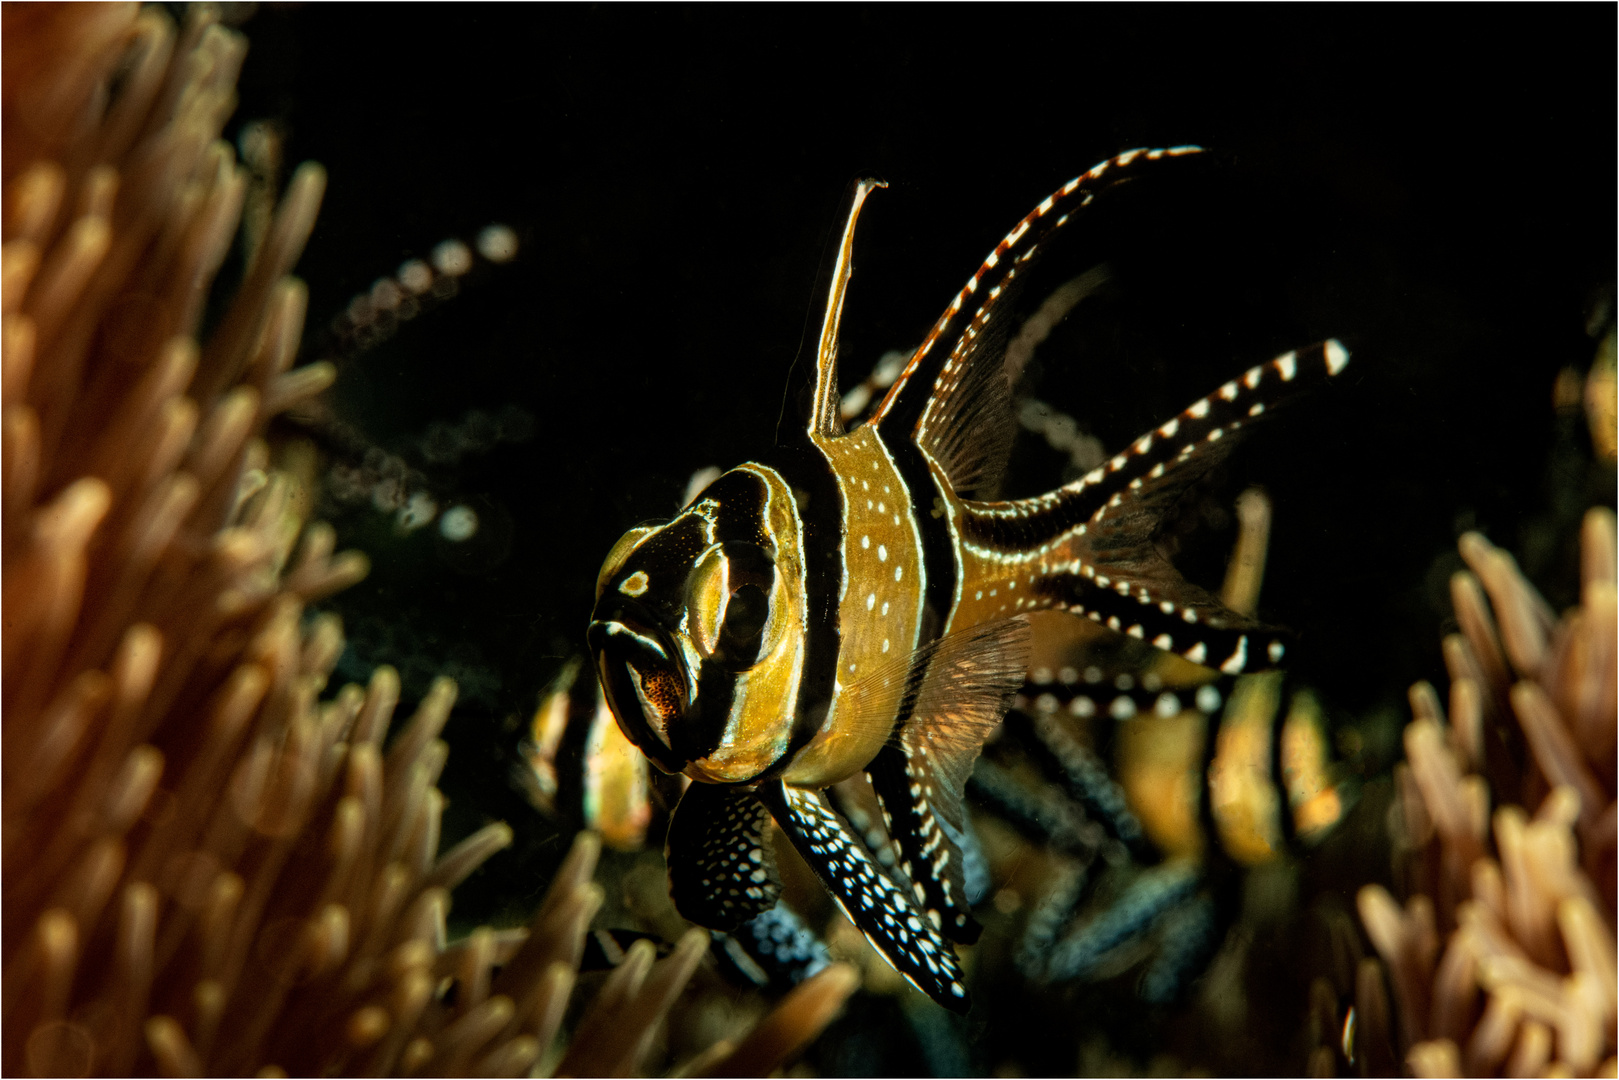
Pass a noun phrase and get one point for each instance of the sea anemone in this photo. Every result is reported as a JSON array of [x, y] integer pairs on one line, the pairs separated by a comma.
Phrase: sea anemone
[[1502, 958], [211, 864]]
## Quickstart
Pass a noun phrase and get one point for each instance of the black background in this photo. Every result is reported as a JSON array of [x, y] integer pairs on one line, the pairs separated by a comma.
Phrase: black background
[[1433, 186]]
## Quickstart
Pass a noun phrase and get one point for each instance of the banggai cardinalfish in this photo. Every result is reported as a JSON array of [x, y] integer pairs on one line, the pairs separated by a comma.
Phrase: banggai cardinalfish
[[845, 604]]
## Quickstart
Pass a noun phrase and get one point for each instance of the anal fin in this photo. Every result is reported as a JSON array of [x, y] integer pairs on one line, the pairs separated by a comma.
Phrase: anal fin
[[962, 686], [882, 909], [929, 857], [722, 870]]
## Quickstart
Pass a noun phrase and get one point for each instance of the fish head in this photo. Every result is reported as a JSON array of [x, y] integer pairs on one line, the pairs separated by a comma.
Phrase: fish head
[[697, 633]]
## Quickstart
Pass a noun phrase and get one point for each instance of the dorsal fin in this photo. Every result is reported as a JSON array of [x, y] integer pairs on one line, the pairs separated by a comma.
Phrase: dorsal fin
[[824, 420], [953, 398]]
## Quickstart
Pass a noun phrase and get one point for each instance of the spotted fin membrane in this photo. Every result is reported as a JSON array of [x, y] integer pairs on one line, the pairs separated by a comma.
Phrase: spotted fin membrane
[[775, 950], [726, 872], [1124, 584], [870, 897]]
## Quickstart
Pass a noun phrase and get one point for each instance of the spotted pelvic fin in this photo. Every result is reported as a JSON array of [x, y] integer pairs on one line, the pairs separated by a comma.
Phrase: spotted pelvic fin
[[882, 909], [962, 686], [722, 870]]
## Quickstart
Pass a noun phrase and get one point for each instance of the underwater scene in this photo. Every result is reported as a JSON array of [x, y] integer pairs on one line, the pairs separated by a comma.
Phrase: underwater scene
[[443, 635]]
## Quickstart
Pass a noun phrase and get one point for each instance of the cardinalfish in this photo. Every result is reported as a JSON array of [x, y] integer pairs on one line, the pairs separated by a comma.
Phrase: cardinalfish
[[855, 601]]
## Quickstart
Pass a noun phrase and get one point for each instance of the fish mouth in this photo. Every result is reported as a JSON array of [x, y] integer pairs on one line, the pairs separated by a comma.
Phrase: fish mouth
[[645, 682]]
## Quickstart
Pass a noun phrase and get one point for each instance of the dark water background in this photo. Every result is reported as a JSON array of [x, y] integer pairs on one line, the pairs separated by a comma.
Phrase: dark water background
[[1437, 190]]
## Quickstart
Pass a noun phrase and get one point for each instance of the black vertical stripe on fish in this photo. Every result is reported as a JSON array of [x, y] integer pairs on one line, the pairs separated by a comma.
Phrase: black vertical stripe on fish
[[722, 869], [883, 910], [739, 505], [1285, 820], [704, 729], [938, 551], [820, 507]]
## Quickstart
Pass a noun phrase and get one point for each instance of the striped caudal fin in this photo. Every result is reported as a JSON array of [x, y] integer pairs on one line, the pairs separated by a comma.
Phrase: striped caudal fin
[[1173, 454], [1092, 540]]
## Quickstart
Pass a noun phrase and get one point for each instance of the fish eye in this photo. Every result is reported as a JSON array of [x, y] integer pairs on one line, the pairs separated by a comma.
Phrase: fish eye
[[743, 630], [728, 604], [746, 613]]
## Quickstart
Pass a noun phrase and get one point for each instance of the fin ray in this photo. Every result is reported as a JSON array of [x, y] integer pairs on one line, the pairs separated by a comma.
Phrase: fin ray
[[967, 681], [1105, 522], [825, 419], [1171, 614], [1159, 465]]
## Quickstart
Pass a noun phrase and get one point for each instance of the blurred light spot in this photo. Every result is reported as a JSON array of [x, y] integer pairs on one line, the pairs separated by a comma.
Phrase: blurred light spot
[[415, 277], [458, 523], [453, 258], [497, 243], [385, 295], [417, 512]]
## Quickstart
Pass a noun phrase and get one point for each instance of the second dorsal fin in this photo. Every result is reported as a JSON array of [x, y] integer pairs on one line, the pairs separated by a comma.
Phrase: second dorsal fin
[[953, 398]]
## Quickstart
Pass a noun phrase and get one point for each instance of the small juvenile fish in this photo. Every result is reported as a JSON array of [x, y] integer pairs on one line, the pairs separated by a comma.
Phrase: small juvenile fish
[[846, 604]]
